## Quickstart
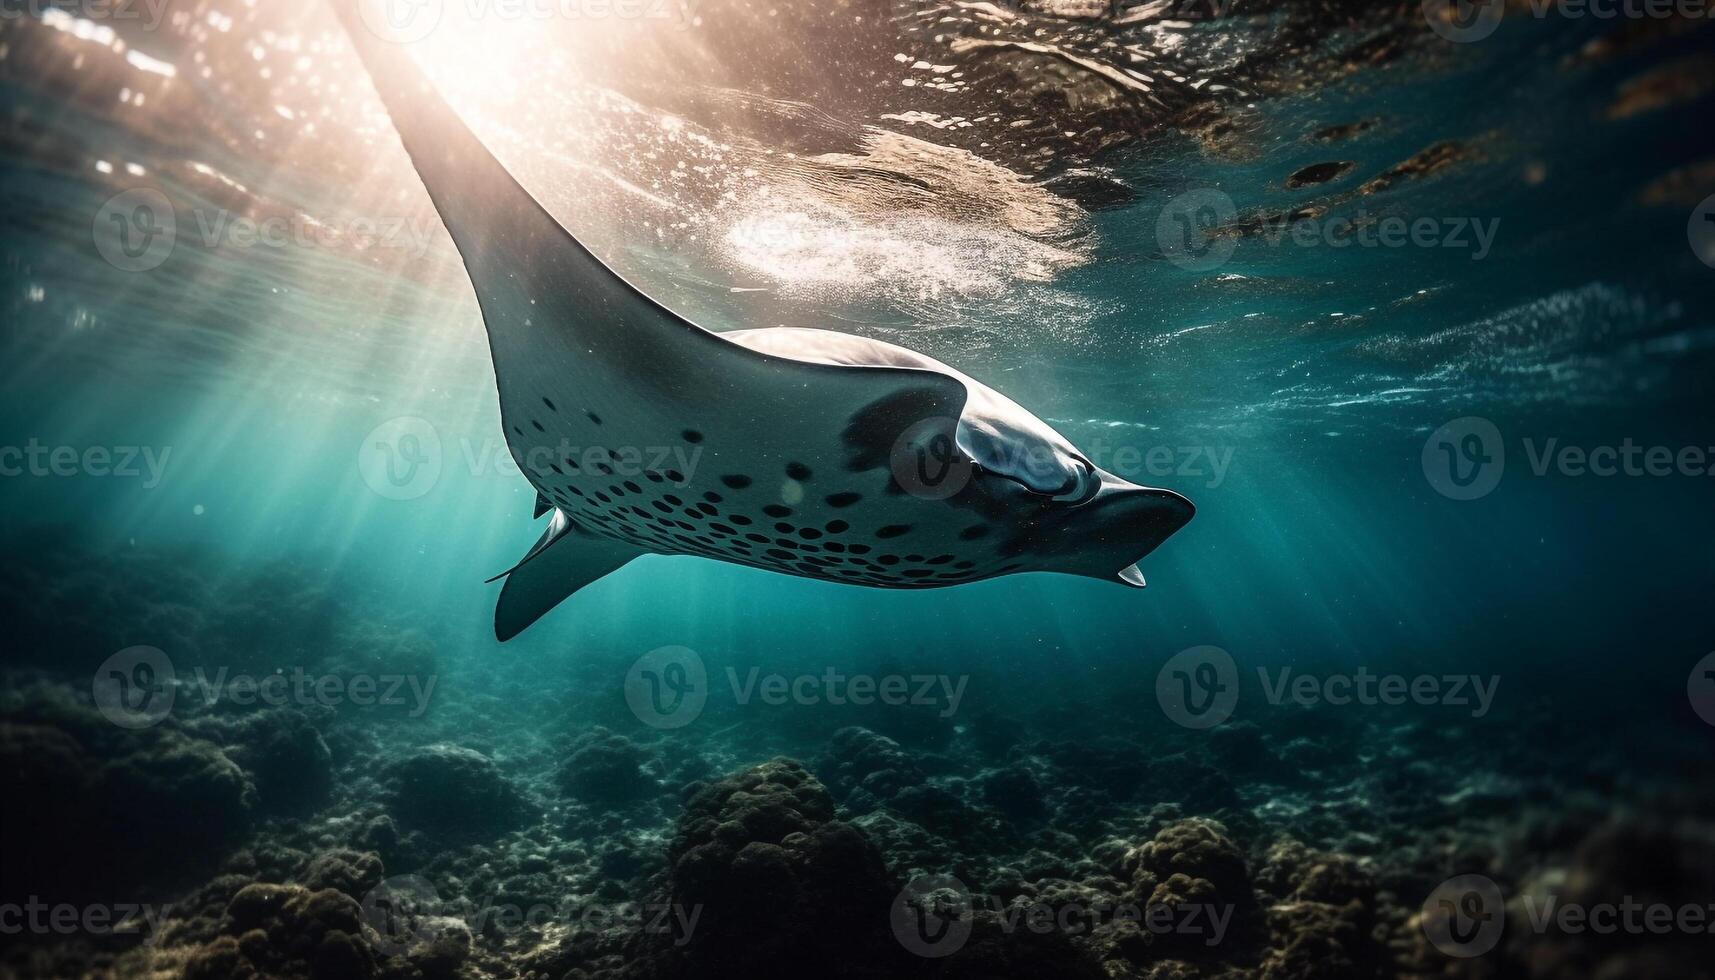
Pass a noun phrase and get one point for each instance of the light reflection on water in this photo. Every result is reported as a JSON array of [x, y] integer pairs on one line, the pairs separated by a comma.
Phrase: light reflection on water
[[870, 203]]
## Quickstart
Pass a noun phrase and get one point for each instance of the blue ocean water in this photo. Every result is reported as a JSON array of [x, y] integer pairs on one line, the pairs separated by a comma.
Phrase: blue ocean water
[[206, 455]]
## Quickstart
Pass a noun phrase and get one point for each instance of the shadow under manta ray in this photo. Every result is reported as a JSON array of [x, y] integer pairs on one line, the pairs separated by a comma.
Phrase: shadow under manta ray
[[818, 453]]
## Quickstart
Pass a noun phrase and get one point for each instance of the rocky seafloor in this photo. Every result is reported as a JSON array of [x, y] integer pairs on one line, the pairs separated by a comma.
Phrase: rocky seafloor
[[531, 826]]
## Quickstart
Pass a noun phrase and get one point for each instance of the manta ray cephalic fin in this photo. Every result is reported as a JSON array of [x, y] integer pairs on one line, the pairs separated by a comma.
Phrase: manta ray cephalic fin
[[561, 563]]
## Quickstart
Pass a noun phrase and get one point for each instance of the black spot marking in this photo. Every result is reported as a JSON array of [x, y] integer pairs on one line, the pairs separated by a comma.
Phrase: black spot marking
[[634, 488], [736, 481], [889, 559], [777, 510], [692, 436], [940, 559], [593, 417], [844, 499], [860, 549], [784, 528], [777, 553], [893, 531], [836, 527], [538, 425], [918, 573], [712, 497], [974, 532], [810, 533], [674, 476], [550, 404], [798, 471], [675, 501], [870, 434]]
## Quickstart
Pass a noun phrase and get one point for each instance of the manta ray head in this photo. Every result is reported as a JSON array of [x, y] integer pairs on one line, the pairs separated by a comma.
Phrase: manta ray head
[[1099, 526]]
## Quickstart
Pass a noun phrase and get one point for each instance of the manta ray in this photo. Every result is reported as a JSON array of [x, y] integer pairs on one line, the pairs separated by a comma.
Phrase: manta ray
[[817, 453]]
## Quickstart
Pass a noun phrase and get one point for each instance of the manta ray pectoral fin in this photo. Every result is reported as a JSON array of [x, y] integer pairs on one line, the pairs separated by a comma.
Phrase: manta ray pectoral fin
[[1133, 576], [554, 310], [558, 566]]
